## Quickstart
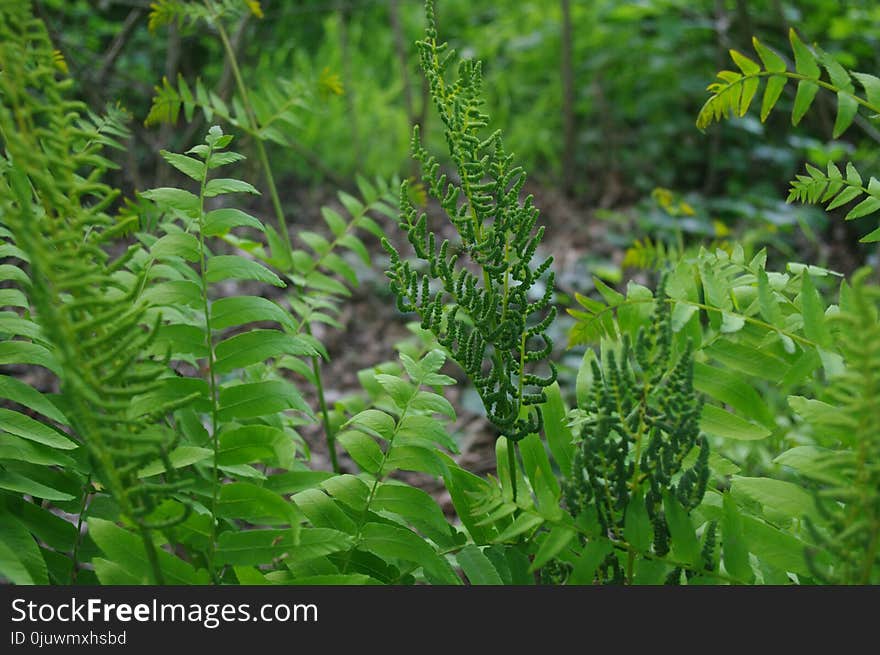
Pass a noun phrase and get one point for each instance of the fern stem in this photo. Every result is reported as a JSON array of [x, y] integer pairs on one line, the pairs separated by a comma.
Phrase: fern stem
[[511, 465], [252, 120], [212, 378], [83, 508], [329, 433], [378, 478], [152, 556]]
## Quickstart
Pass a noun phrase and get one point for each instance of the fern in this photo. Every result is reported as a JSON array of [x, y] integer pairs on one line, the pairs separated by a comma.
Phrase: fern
[[837, 190], [242, 410], [89, 319], [845, 462], [489, 323], [733, 93], [639, 422]]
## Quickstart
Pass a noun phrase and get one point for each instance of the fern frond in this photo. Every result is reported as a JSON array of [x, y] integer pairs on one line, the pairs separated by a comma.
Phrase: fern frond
[[55, 209], [836, 190], [847, 426], [734, 91], [489, 322]]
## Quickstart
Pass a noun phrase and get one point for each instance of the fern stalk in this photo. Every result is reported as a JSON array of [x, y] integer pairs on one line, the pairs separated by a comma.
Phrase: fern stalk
[[276, 205]]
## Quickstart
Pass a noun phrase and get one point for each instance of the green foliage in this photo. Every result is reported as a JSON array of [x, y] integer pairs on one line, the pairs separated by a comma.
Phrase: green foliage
[[86, 323], [725, 428], [844, 462], [733, 93], [488, 322]]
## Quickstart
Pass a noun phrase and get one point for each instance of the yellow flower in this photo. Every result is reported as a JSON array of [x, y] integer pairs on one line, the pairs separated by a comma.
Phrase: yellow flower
[[254, 6]]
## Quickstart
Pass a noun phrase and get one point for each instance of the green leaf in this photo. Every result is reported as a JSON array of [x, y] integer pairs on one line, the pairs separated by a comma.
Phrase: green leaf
[[432, 402], [179, 457], [774, 546], [348, 490], [256, 443], [374, 422], [171, 198], [871, 84], [414, 458], [778, 495], [559, 437], [255, 547], [177, 244], [255, 346], [174, 292], [398, 389], [685, 545], [415, 506], [247, 501], [13, 298], [728, 388], [323, 512], [22, 450], [805, 60], [363, 450], [21, 562], [421, 427], [847, 108], [806, 93], [477, 567], [233, 267], [585, 565], [772, 61], [555, 542], [220, 221], [849, 193], [868, 206], [525, 522], [774, 88], [22, 352], [254, 399], [813, 313], [219, 159], [240, 310], [221, 185], [334, 221], [187, 165], [746, 65], [721, 423], [734, 548], [127, 550], [637, 529], [388, 541], [748, 360], [27, 428]]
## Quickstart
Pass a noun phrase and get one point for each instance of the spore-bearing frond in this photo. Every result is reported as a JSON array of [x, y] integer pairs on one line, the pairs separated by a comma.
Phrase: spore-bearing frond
[[480, 307], [640, 421]]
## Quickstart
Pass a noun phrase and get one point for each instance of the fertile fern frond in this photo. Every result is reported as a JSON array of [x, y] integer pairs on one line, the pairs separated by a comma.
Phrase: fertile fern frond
[[733, 92], [638, 424], [490, 321], [55, 207]]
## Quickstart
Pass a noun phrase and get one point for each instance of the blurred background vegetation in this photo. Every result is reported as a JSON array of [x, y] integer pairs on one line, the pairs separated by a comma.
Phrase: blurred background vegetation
[[596, 98]]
